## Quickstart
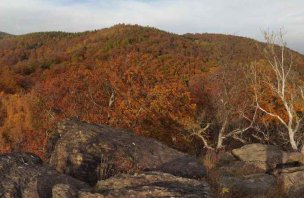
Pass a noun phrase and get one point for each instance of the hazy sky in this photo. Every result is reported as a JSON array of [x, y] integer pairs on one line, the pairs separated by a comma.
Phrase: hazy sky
[[240, 17]]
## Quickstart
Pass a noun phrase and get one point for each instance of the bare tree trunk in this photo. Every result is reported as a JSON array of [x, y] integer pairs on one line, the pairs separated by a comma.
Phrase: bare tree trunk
[[292, 141], [200, 134], [221, 134], [282, 86], [111, 102]]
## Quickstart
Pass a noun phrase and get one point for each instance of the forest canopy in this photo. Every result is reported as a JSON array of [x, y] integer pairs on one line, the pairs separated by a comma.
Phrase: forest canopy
[[159, 84]]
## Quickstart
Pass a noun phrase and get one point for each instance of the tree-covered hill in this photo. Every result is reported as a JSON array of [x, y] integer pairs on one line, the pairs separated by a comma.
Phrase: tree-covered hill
[[128, 76], [4, 34]]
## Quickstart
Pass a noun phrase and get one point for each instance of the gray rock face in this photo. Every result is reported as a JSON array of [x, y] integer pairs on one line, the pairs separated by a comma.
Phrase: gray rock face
[[184, 167], [22, 175], [292, 180], [64, 191], [149, 184], [256, 185], [261, 171], [266, 157], [94, 152], [18, 159], [239, 178]]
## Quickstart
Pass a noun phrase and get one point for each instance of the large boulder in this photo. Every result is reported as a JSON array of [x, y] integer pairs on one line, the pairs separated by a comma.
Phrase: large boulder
[[186, 166], [22, 175], [255, 185], [148, 184], [93, 152], [235, 178], [64, 191], [267, 157], [291, 180], [238, 168]]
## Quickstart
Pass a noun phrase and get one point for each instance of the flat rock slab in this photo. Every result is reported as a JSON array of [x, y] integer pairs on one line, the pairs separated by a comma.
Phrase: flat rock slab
[[292, 180], [255, 185], [19, 159], [186, 166], [91, 152], [22, 175], [266, 157], [149, 184], [239, 168]]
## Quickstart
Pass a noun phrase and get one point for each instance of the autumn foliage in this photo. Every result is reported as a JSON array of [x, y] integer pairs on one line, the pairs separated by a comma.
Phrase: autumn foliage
[[153, 82]]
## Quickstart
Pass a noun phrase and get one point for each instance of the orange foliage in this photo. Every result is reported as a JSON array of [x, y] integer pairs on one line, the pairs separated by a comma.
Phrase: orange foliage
[[17, 130], [46, 77], [270, 100], [152, 108]]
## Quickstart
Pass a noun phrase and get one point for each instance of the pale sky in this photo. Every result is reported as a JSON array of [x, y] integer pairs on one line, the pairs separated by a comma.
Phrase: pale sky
[[239, 17]]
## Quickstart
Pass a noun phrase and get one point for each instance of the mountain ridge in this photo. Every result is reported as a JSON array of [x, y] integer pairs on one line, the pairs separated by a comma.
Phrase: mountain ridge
[[202, 36], [4, 34], [125, 76]]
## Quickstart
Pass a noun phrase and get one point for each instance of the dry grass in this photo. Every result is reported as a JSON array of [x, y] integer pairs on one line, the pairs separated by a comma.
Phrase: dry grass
[[210, 160]]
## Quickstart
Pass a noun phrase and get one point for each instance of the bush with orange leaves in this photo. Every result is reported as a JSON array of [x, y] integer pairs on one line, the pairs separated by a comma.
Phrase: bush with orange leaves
[[18, 130], [133, 99]]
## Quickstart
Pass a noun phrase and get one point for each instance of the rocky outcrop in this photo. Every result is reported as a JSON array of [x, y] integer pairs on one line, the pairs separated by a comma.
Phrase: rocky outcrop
[[149, 184], [267, 157], [258, 185], [125, 166], [64, 191], [22, 175], [291, 180], [96, 152], [186, 166], [96, 161], [242, 179], [257, 170], [104, 162]]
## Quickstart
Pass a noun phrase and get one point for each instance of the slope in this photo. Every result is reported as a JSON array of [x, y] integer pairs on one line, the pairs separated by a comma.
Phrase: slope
[[126, 76]]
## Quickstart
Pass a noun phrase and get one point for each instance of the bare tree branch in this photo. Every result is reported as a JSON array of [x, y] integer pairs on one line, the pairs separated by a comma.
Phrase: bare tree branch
[[282, 87]]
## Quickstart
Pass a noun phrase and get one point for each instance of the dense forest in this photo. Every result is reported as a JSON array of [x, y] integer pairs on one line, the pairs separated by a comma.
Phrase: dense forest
[[180, 89]]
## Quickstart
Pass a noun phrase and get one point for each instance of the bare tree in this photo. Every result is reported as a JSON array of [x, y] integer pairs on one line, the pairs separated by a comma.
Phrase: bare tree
[[235, 116], [279, 79], [228, 110], [200, 132]]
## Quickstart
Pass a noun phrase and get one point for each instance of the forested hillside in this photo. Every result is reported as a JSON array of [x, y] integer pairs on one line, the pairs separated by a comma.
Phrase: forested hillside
[[3, 35], [159, 84]]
